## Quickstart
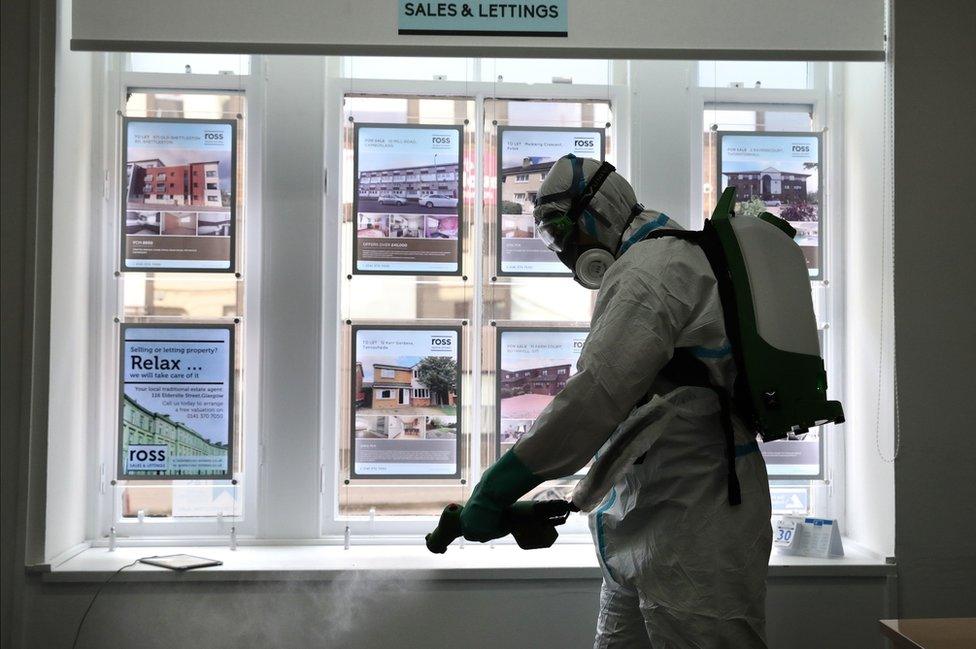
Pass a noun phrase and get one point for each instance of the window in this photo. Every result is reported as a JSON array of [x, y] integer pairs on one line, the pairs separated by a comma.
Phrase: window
[[469, 205], [157, 296], [786, 186], [547, 71], [754, 74], [435, 301], [744, 117], [520, 71], [408, 68], [232, 64]]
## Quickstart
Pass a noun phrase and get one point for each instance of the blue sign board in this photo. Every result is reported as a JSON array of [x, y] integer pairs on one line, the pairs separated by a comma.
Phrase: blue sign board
[[484, 18]]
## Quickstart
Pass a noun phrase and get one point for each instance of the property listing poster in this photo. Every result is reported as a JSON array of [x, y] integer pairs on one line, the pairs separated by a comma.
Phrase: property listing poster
[[408, 199], [179, 195], [406, 383], [525, 156], [176, 403], [533, 366], [791, 500], [794, 457], [777, 173]]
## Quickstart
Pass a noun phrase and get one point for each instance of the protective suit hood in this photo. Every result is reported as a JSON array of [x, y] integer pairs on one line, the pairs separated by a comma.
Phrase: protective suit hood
[[614, 216]]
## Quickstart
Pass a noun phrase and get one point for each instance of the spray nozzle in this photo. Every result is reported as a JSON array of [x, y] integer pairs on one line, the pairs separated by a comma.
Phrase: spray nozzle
[[532, 523]]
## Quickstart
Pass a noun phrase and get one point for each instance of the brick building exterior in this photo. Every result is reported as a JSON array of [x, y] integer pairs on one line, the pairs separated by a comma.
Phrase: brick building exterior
[[197, 184], [537, 380], [769, 185]]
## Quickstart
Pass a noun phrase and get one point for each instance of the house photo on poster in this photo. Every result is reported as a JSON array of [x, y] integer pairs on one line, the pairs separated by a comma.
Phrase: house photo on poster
[[406, 410], [407, 199], [179, 203], [176, 401], [778, 173], [525, 155], [533, 366]]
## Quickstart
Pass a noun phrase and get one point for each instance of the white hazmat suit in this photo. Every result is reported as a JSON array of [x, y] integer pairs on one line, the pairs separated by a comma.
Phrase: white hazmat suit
[[682, 567]]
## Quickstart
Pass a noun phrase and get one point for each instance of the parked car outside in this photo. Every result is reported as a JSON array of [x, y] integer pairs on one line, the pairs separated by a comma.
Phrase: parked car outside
[[392, 200], [439, 200]]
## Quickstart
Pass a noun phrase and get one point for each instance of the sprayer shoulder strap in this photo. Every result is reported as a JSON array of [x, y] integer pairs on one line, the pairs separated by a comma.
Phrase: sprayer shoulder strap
[[694, 236], [685, 369], [707, 239]]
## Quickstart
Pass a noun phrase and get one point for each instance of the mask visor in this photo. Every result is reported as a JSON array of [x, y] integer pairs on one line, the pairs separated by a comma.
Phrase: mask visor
[[554, 231]]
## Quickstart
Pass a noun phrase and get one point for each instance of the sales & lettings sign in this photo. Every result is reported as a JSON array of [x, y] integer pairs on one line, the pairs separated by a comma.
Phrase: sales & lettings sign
[[484, 18]]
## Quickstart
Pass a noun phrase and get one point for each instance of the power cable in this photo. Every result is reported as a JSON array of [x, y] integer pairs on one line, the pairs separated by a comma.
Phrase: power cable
[[84, 617]]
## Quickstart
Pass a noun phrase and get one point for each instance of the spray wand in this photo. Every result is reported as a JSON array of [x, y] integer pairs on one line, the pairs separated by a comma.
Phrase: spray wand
[[532, 523]]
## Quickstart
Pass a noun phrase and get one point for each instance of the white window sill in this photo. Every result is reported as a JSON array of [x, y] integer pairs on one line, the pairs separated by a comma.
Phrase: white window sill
[[473, 562]]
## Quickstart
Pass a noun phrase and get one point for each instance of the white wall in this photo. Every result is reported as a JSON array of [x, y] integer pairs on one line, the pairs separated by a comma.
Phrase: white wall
[[397, 613], [69, 470], [291, 294], [870, 505], [661, 136]]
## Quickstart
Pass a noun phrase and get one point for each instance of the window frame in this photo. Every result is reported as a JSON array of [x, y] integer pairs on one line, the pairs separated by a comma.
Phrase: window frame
[[107, 289], [107, 295]]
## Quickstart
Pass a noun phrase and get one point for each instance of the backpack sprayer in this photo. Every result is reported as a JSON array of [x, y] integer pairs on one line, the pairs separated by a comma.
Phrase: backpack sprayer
[[533, 524]]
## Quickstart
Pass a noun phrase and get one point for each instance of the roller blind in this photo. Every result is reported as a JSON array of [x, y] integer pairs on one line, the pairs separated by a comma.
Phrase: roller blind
[[686, 29]]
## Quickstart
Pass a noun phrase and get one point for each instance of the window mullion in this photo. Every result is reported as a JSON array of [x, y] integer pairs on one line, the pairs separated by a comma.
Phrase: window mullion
[[476, 233]]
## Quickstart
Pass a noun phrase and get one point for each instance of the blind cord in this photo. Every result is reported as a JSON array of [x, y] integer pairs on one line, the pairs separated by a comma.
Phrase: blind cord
[[888, 251]]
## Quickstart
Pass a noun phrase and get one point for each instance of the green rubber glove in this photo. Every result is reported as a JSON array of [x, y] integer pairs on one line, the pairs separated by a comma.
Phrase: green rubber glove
[[505, 481]]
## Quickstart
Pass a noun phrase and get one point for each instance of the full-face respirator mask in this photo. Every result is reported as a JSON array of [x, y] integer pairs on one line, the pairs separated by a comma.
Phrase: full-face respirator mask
[[559, 230]]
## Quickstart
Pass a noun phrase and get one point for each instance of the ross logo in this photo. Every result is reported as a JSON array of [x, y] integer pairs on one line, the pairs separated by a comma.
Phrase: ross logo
[[441, 342], [587, 143], [801, 148], [146, 457], [214, 137]]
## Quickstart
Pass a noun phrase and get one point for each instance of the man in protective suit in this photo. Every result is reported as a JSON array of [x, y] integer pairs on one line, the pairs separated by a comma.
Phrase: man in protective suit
[[682, 521]]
